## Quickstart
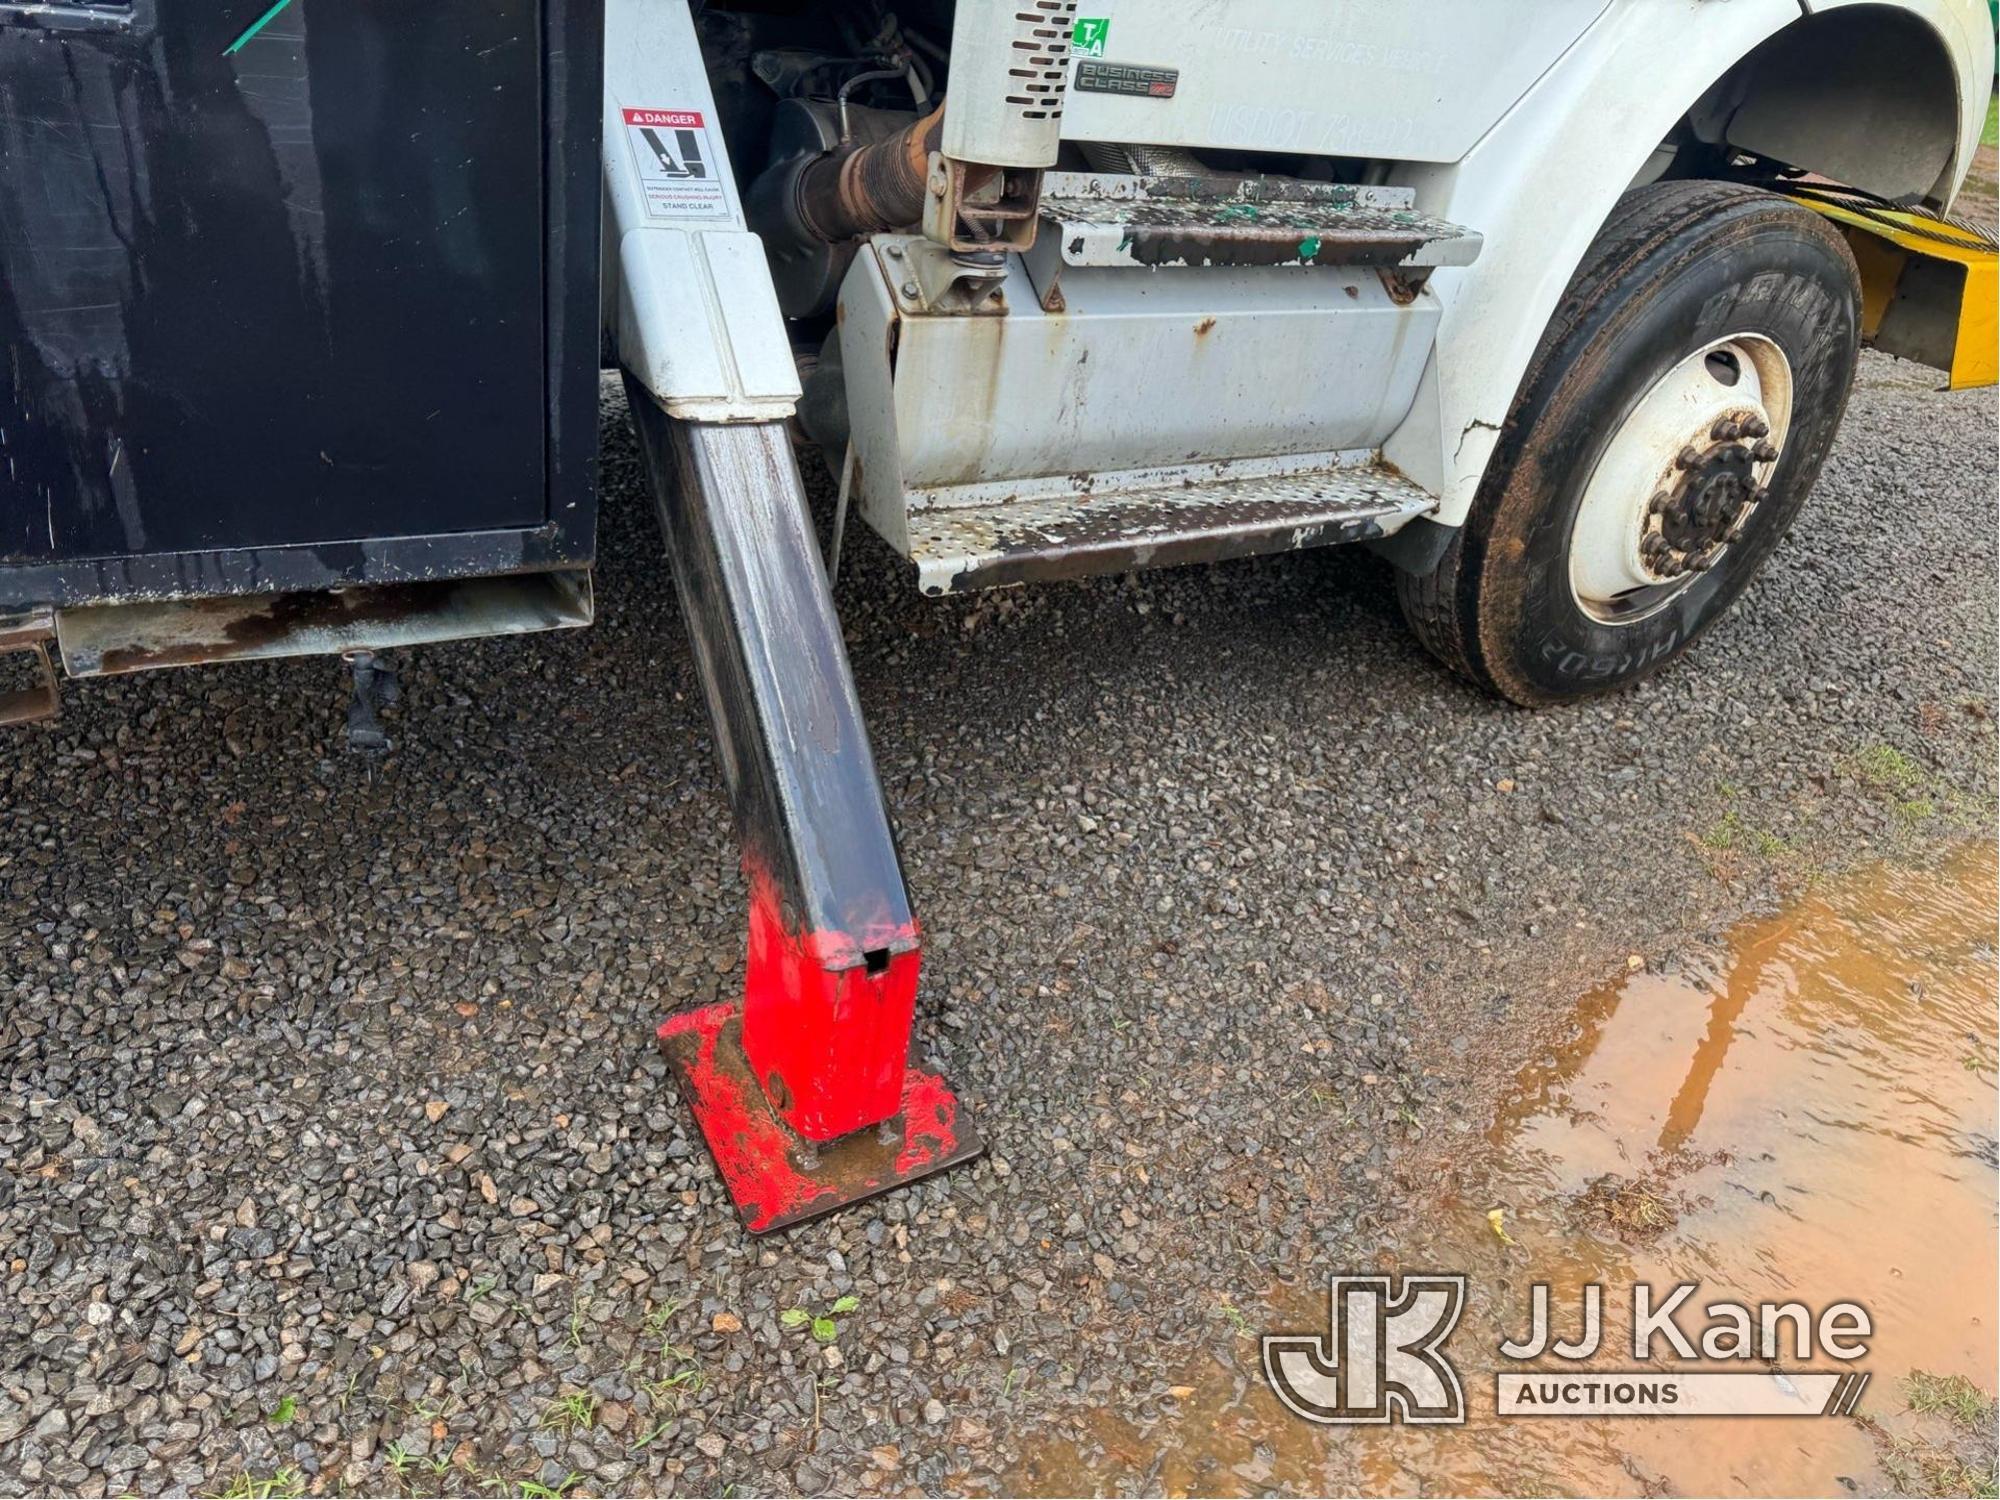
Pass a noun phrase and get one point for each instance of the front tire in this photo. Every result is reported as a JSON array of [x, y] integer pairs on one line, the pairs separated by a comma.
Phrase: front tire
[[1668, 430]]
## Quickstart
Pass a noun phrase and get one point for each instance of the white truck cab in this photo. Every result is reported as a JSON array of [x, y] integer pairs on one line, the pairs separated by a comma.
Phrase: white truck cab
[[1540, 297]]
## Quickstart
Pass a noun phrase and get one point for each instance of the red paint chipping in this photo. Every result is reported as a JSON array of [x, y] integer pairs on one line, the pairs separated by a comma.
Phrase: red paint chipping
[[930, 1121], [746, 1140], [774, 1177], [828, 1040], [793, 1086]]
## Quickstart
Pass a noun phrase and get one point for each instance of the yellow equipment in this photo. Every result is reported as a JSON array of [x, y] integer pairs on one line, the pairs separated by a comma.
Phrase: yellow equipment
[[1930, 285]]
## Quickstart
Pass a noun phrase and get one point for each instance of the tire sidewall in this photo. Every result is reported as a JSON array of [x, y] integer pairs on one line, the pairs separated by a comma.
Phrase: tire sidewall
[[1767, 269]]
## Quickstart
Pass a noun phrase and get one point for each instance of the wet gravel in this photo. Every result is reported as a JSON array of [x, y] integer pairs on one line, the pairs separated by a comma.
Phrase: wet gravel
[[335, 1143]]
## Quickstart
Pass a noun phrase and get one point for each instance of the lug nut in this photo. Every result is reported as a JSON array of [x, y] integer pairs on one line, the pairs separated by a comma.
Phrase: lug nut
[[1707, 559], [1725, 431], [1765, 452], [1756, 427], [1688, 458]]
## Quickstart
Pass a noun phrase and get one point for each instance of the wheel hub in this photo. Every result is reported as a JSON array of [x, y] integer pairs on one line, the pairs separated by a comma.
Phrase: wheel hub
[[1688, 526], [1680, 479]]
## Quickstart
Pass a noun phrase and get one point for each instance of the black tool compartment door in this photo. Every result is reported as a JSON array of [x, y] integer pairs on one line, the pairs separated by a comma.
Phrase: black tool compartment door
[[267, 284]]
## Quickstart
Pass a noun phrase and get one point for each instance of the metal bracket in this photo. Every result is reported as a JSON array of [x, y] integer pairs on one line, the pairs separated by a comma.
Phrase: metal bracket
[[973, 207], [29, 635], [928, 280], [775, 1177], [375, 688], [1044, 265]]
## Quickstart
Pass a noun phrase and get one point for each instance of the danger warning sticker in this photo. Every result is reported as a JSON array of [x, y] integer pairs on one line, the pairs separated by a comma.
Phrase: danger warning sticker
[[678, 166]]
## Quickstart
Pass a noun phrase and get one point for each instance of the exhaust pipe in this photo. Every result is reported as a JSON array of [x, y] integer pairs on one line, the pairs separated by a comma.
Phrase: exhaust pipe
[[828, 187], [868, 189]]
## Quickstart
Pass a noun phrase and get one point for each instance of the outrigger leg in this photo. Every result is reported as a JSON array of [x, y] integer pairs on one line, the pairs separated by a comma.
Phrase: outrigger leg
[[803, 1089]]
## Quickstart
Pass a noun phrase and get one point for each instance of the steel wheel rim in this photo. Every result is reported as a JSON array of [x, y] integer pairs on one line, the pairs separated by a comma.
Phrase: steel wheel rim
[[1681, 479]]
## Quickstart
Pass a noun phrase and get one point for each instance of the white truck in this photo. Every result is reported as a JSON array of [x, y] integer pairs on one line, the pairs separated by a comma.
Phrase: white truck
[[1520, 290], [1554, 303]]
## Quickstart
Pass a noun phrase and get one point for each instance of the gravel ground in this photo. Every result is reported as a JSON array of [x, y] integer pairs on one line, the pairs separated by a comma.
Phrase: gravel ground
[[334, 1136]]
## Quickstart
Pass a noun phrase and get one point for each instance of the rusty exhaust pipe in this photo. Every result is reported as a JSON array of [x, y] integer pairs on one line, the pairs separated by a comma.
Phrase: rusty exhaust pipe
[[846, 194]]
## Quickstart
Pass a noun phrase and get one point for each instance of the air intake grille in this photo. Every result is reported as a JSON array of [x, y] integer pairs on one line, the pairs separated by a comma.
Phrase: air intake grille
[[1040, 70]]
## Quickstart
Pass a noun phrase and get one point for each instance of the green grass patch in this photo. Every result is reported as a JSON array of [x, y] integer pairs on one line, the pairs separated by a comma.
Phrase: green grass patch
[[1731, 834], [1955, 1460], [1884, 768], [1233, 1316], [1948, 1395], [1913, 1468], [576, 1412], [670, 1391], [1992, 135], [286, 1484], [654, 1433]]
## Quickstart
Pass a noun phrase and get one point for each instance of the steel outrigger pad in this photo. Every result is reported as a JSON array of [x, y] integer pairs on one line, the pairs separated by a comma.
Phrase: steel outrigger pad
[[803, 1088], [775, 1176]]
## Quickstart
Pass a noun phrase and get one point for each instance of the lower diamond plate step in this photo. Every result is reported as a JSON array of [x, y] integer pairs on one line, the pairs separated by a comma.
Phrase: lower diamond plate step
[[1114, 531]]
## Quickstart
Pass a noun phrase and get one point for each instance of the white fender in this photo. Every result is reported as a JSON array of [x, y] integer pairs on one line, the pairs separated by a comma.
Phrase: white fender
[[1967, 29], [1540, 183]]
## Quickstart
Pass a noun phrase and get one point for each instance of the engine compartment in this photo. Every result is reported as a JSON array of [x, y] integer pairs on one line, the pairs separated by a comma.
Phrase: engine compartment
[[795, 85]]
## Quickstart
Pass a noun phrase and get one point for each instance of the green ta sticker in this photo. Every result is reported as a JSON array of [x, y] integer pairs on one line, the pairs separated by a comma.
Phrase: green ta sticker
[[1088, 36]]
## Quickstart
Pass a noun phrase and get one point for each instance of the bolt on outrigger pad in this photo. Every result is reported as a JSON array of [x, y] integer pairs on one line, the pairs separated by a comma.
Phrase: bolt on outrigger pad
[[803, 1089]]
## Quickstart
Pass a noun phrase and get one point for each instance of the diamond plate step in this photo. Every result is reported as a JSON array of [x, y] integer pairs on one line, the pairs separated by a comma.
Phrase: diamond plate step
[[1107, 219], [1114, 531]]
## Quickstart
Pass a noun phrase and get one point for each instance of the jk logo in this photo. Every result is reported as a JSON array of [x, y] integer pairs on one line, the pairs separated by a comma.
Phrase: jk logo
[[1380, 1359]]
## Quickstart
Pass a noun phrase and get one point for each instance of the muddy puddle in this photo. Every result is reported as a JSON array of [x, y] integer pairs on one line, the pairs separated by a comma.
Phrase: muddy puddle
[[1805, 1115]]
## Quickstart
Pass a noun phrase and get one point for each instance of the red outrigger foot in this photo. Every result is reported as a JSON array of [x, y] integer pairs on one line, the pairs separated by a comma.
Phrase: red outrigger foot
[[803, 1089], [776, 1177]]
